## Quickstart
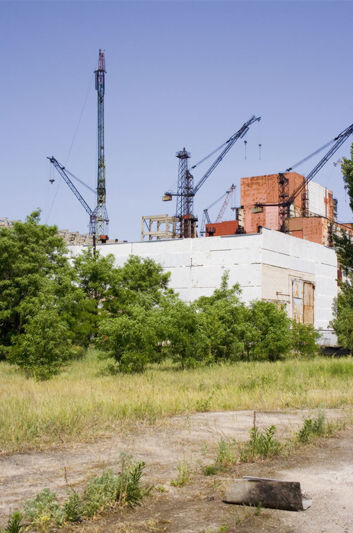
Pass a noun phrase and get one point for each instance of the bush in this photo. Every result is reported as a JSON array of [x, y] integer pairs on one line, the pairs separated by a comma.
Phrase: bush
[[304, 339], [44, 346], [132, 338], [269, 336], [186, 335], [343, 321]]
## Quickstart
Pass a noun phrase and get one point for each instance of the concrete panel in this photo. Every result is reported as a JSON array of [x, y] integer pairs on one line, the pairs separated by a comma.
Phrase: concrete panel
[[206, 276], [226, 258], [226, 242], [318, 197], [180, 278], [249, 294], [275, 240]]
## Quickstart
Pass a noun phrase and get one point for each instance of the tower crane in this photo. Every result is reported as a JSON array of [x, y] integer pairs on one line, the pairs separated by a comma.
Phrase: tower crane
[[92, 213], [98, 218], [186, 189], [102, 220], [286, 199], [229, 194], [227, 197]]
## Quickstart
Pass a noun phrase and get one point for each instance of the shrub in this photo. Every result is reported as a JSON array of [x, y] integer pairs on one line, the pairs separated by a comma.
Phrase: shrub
[[269, 335], [343, 321], [304, 339], [44, 346], [73, 507], [188, 340], [183, 476], [226, 453], [131, 338]]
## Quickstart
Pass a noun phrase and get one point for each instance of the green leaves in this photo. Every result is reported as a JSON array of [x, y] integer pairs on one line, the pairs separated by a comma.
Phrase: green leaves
[[343, 322]]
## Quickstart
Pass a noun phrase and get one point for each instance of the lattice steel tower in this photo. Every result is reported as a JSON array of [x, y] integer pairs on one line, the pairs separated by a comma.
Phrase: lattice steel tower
[[101, 214], [185, 198]]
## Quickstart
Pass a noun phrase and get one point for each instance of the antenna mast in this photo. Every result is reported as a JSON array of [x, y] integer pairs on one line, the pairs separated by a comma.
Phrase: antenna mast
[[101, 209]]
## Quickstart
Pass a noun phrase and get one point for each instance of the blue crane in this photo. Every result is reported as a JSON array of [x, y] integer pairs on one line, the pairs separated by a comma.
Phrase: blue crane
[[186, 189]]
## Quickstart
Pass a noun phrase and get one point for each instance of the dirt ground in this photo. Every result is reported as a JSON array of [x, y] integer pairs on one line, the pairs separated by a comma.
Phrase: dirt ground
[[325, 472]]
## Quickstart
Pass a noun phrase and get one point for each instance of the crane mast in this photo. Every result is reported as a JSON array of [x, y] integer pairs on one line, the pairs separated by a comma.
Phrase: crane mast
[[186, 190], [101, 209]]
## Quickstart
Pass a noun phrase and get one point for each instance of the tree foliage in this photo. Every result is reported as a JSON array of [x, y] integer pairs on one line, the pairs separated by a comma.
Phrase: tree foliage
[[217, 328], [343, 321], [32, 259], [53, 306]]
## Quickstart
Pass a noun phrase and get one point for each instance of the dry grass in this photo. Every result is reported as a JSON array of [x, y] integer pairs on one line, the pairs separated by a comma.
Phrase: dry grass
[[82, 402]]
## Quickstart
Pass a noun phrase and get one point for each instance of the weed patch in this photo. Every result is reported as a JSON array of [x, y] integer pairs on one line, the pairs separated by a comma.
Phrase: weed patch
[[262, 444], [14, 524], [315, 427], [44, 512], [183, 476]]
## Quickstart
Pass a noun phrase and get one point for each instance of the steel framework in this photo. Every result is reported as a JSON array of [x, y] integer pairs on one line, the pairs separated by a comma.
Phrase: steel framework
[[102, 220], [186, 190]]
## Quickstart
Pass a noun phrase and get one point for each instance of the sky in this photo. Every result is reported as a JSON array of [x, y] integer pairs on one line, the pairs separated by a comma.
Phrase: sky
[[179, 74]]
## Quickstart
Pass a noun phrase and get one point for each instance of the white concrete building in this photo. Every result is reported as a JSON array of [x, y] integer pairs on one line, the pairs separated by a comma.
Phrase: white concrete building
[[269, 265]]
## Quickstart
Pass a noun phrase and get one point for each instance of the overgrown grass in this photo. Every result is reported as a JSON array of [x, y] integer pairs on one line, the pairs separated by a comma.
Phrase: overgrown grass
[[85, 401]]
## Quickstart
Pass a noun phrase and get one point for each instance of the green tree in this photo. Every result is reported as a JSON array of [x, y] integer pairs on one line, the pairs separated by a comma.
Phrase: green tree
[[270, 335], [132, 338], [343, 321], [304, 339], [30, 254], [186, 337], [140, 281], [224, 319], [44, 313]]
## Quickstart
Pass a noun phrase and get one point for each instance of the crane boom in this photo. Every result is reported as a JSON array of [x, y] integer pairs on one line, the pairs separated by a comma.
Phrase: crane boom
[[63, 173], [285, 204], [186, 190], [339, 140], [227, 199], [231, 141]]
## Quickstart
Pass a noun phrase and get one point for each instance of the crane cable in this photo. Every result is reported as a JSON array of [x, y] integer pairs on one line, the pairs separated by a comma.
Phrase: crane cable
[[70, 150], [209, 155], [311, 155], [80, 181], [79, 121]]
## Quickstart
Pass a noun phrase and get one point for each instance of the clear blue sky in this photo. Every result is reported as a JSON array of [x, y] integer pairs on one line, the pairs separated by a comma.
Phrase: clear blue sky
[[178, 74]]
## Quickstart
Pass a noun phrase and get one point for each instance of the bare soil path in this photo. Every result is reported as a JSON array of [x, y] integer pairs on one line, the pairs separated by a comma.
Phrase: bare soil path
[[325, 472]]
